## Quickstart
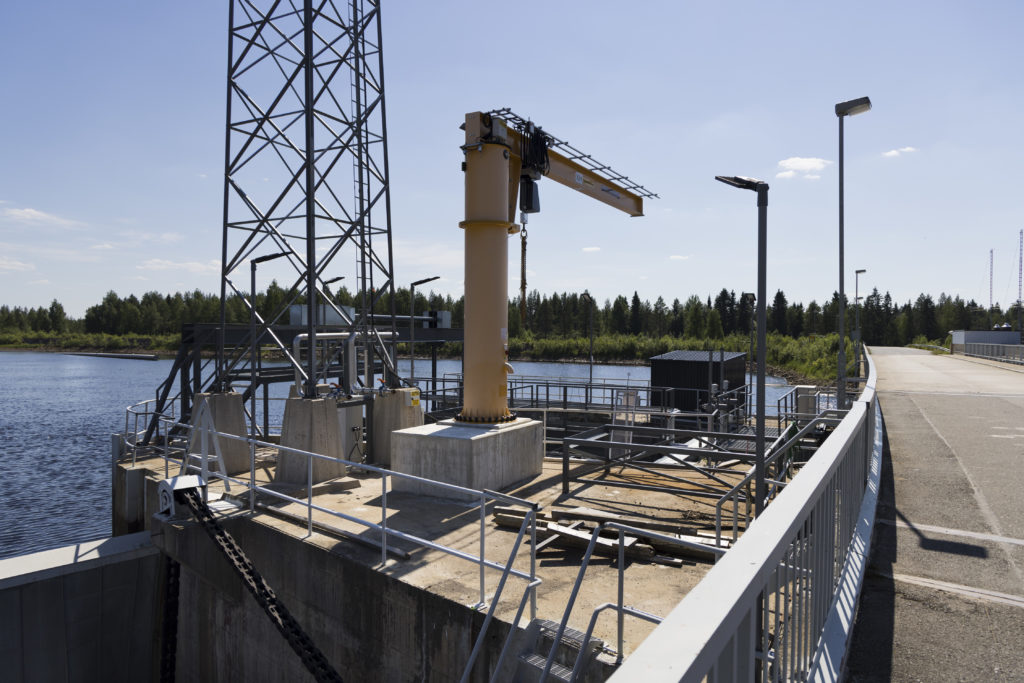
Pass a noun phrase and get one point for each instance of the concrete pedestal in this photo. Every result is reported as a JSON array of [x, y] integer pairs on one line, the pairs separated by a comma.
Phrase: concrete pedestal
[[398, 409], [309, 425], [228, 416], [484, 456]]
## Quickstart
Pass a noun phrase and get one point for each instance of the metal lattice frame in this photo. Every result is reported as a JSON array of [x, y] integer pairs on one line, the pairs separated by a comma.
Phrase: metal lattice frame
[[306, 171]]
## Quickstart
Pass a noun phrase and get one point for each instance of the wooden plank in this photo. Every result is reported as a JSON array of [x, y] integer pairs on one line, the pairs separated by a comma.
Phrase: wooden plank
[[593, 515]]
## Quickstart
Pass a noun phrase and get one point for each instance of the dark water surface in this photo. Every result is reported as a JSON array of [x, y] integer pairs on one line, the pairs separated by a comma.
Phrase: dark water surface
[[57, 413]]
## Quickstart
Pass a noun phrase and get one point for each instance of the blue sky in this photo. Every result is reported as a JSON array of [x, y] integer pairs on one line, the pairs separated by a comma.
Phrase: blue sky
[[112, 157]]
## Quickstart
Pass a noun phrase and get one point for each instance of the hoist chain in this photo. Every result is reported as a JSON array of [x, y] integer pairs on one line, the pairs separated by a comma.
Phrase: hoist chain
[[169, 644], [303, 646], [522, 277]]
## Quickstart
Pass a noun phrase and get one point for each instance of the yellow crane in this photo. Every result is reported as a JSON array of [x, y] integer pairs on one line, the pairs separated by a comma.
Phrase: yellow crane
[[505, 157]]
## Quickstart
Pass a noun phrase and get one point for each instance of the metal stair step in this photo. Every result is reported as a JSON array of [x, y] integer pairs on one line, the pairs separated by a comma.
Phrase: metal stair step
[[570, 636], [557, 672]]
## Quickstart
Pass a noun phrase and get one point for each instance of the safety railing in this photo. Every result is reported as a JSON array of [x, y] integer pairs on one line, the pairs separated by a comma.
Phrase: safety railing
[[779, 605], [619, 606], [1007, 353], [209, 445], [778, 463]]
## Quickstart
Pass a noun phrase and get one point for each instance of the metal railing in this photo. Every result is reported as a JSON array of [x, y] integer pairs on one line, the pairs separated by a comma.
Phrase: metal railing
[[1007, 353], [178, 450], [779, 606], [619, 606]]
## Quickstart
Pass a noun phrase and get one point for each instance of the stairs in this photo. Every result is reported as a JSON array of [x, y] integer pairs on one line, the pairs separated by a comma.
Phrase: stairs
[[540, 636]]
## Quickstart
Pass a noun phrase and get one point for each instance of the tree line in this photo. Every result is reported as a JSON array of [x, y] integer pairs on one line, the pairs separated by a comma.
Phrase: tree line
[[559, 315]]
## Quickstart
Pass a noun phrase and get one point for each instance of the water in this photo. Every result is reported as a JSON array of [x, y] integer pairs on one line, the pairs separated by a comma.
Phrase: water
[[57, 413]]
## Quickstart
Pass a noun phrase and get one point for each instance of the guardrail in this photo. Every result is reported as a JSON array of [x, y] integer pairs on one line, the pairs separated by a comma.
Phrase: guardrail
[[779, 605], [179, 451], [1007, 353]]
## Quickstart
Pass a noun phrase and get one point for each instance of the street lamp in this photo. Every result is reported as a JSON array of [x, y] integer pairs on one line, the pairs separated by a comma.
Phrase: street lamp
[[412, 324], [590, 330], [254, 359], [844, 109], [856, 302], [761, 188]]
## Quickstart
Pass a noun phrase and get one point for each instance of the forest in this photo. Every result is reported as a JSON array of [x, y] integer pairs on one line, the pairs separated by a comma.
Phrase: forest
[[556, 326]]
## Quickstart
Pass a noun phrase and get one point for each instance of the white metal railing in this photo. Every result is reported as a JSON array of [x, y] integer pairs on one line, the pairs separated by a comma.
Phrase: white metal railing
[[209, 454], [1009, 353], [779, 605]]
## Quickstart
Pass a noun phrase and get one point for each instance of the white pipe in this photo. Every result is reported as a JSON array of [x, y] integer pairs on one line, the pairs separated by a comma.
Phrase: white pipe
[[350, 359]]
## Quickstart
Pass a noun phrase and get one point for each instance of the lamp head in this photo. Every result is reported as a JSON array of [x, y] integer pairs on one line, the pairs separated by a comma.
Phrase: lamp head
[[425, 280], [742, 182], [853, 107], [862, 270]]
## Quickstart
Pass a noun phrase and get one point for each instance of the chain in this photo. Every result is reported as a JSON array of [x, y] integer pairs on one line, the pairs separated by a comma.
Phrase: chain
[[169, 641], [286, 624]]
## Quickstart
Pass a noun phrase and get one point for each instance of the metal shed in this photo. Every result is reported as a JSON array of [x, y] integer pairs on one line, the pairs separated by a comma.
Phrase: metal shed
[[692, 373]]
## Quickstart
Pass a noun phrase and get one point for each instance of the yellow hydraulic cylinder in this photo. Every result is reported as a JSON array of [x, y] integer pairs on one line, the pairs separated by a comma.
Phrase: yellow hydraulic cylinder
[[486, 284]]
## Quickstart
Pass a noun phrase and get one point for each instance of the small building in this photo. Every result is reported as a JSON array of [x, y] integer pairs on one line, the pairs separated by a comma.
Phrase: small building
[[692, 373], [964, 337]]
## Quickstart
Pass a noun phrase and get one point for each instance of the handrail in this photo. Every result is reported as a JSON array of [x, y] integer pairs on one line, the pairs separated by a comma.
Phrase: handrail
[[620, 606], [773, 596], [486, 497]]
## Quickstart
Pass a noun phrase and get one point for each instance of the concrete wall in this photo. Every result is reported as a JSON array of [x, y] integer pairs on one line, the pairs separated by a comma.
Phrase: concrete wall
[[87, 612], [370, 626]]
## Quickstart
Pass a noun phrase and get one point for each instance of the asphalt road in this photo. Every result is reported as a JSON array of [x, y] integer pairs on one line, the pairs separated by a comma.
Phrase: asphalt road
[[944, 595]]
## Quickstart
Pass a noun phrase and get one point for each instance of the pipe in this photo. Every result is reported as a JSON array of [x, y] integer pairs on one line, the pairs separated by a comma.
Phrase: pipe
[[350, 356]]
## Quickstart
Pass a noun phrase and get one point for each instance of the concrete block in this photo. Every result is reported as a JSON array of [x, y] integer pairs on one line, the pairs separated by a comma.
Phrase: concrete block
[[228, 415], [391, 411], [310, 425], [474, 456]]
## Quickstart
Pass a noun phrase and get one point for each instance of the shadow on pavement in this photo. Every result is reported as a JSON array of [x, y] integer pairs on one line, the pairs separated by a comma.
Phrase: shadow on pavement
[[871, 646]]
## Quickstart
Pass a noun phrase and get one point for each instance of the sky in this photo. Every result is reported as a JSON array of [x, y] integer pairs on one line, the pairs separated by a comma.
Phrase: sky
[[112, 120]]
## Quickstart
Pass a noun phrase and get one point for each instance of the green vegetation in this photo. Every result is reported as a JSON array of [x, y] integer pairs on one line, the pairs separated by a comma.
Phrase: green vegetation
[[801, 338]]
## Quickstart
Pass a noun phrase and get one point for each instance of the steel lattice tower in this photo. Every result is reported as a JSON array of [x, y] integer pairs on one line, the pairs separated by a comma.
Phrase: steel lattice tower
[[306, 171]]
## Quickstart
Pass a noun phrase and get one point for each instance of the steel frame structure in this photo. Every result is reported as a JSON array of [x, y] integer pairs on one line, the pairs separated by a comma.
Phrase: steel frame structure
[[306, 176]]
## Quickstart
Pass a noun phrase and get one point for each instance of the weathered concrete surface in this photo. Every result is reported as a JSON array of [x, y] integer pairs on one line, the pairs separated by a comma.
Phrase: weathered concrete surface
[[392, 411], [310, 425], [474, 456], [228, 415], [944, 597], [86, 612]]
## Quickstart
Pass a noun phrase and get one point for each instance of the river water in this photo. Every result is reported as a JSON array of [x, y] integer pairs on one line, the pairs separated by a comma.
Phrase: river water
[[57, 413]]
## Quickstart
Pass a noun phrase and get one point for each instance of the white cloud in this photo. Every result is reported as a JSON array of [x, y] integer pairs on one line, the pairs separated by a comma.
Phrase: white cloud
[[104, 246], [212, 266], [591, 249], [34, 217], [39, 282], [8, 264], [804, 164], [678, 257], [812, 176], [897, 152], [785, 174]]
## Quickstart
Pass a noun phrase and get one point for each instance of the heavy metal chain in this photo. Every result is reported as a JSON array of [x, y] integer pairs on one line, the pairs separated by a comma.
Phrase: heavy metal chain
[[169, 644], [286, 624]]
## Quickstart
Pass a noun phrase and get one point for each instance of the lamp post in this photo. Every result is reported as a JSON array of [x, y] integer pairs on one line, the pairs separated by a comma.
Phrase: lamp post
[[761, 188], [844, 109], [856, 302], [590, 329], [751, 299], [412, 324], [254, 359]]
